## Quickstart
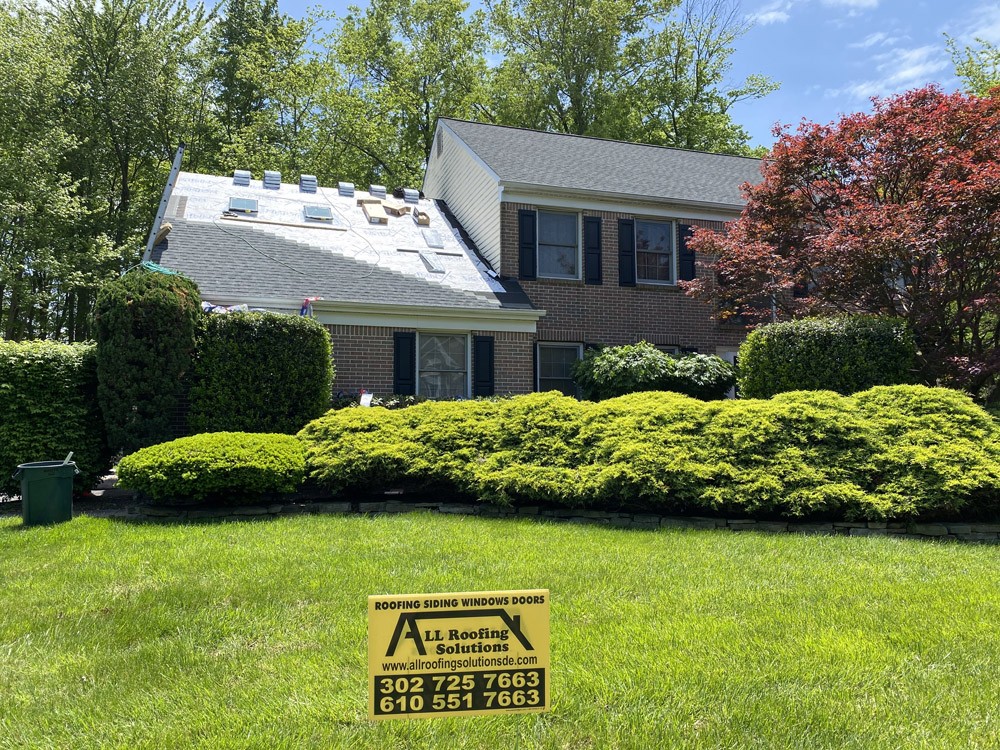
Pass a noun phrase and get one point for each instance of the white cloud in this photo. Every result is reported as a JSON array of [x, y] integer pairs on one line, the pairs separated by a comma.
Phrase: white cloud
[[853, 4], [879, 38], [773, 12], [897, 70], [770, 16]]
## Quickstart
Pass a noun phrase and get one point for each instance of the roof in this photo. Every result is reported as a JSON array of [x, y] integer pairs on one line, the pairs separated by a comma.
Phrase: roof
[[240, 262], [596, 165], [277, 253]]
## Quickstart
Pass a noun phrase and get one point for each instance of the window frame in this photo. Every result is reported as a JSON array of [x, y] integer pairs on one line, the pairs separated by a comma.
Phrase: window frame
[[539, 345], [467, 382], [674, 259], [578, 259]]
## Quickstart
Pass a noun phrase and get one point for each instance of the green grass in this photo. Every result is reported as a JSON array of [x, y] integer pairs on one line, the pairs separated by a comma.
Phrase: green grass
[[254, 635]]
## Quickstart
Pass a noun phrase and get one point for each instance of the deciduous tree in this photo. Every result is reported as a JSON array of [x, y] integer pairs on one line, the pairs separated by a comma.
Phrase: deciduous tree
[[894, 212]]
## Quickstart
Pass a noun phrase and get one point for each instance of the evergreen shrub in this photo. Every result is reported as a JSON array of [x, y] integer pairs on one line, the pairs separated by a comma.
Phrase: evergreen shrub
[[225, 467], [892, 452], [617, 370], [145, 324], [48, 407], [844, 354], [260, 372]]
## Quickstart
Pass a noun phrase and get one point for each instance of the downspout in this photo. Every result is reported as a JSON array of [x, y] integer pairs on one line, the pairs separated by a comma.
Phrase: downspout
[[167, 190]]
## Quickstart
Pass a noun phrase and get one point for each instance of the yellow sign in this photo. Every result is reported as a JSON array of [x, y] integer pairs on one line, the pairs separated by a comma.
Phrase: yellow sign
[[468, 654]]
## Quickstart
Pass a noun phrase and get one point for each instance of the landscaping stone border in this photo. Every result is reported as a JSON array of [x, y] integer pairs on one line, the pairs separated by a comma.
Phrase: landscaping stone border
[[954, 531]]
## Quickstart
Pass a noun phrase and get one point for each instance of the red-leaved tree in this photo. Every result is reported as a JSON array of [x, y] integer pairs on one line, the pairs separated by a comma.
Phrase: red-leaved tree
[[895, 212]]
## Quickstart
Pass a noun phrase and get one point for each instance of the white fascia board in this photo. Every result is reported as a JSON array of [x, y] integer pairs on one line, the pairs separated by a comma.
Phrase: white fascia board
[[331, 312], [594, 201]]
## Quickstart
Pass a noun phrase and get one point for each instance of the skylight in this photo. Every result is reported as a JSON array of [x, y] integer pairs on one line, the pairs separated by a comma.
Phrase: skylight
[[319, 213], [243, 205]]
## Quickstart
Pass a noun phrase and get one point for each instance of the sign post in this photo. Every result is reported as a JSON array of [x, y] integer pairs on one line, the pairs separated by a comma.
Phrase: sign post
[[458, 654]]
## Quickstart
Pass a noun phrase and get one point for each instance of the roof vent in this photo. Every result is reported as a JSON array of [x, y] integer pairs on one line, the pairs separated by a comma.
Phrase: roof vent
[[308, 183], [346, 189], [377, 191], [272, 180], [241, 177], [410, 195]]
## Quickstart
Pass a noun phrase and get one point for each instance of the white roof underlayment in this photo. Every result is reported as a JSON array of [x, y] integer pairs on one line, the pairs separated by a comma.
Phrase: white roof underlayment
[[395, 245]]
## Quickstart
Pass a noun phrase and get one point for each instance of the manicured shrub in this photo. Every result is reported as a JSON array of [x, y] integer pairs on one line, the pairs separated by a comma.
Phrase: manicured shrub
[[702, 376], [224, 467], [260, 372], [896, 452], [48, 407], [617, 370], [844, 354], [145, 340]]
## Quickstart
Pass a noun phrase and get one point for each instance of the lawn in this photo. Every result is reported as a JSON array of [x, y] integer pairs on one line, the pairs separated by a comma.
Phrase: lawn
[[254, 635]]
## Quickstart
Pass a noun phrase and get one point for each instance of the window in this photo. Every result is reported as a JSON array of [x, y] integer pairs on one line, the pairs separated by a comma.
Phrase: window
[[243, 205], [319, 213], [443, 366], [555, 367], [558, 246], [654, 251]]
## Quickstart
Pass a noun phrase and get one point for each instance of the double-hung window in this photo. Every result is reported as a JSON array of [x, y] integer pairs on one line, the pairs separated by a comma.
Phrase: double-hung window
[[555, 367], [655, 259], [443, 365], [558, 245]]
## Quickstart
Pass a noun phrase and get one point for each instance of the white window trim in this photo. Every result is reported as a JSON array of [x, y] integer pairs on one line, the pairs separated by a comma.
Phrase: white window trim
[[539, 345], [675, 270], [539, 210], [468, 358]]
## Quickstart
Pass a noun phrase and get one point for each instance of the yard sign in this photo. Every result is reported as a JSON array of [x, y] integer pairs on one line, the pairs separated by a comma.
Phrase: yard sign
[[472, 653]]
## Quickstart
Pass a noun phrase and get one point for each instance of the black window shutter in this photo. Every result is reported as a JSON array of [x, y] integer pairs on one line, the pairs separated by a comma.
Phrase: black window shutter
[[534, 367], [405, 363], [685, 256], [482, 359], [626, 252], [526, 234], [592, 248]]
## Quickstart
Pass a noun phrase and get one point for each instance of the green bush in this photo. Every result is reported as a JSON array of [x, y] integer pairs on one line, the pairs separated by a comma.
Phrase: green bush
[[145, 340], [48, 403], [225, 467], [844, 354], [618, 370], [260, 372], [896, 452]]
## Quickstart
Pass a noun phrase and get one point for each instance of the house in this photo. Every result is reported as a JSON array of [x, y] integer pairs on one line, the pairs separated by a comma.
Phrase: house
[[593, 230], [523, 249], [409, 305]]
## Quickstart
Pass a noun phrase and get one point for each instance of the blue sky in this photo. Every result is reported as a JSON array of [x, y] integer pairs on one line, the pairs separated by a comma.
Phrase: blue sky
[[832, 56]]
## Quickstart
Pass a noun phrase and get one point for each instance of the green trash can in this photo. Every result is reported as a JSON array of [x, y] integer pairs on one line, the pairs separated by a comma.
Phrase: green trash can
[[46, 491]]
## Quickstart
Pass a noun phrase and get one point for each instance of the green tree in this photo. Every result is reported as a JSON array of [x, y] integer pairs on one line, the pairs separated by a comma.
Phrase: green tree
[[651, 71], [47, 267], [403, 64], [127, 57], [978, 67]]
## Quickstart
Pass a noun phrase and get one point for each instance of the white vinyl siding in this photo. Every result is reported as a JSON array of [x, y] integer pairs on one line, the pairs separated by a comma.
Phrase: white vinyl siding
[[471, 191]]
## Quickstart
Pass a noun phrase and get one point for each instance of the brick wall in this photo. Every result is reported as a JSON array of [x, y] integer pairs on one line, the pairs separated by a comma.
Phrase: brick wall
[[610, 314], [363, 356]]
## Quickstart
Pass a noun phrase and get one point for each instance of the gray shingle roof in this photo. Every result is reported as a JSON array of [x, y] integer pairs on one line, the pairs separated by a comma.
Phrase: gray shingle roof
[[585, 164], [239, 262]]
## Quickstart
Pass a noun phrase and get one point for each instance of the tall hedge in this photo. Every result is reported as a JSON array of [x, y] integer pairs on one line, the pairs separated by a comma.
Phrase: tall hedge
[[48, 407], [146, 323], [618, 370], [260, 372], [844, 354]]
